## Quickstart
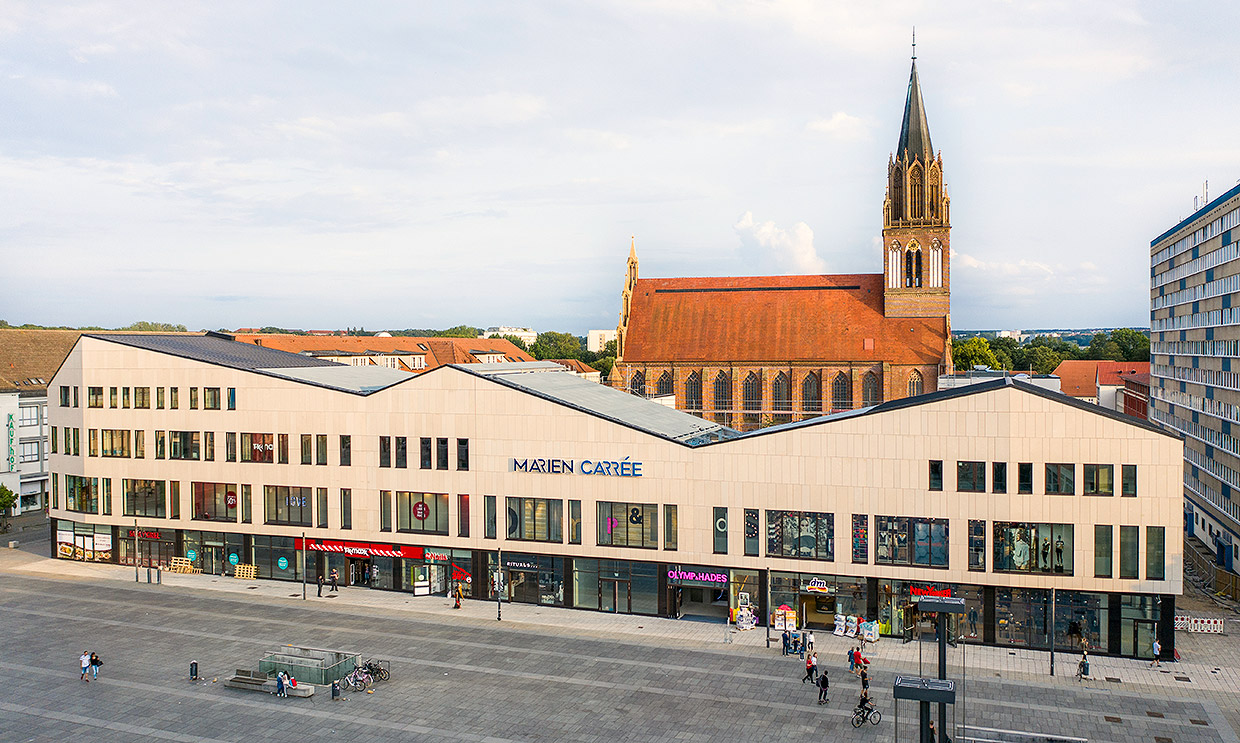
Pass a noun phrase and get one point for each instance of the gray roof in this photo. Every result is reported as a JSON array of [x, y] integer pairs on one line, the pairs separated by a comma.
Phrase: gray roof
[[358, 379], [550, 381], [915, 131]]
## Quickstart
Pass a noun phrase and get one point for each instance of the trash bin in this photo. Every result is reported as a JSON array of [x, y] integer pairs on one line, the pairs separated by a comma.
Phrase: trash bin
[[335, 690], [193, 670]]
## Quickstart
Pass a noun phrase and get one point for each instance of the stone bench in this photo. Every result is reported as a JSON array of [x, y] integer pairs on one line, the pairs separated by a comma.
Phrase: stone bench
[[259, 681]]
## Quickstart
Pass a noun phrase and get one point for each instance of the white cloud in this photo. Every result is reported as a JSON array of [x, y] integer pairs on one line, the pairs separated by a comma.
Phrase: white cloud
[[841, 126], [771, 247]]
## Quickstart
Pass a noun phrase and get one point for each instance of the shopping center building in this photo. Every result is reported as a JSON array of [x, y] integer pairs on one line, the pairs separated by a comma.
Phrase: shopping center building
[[1001, 492]]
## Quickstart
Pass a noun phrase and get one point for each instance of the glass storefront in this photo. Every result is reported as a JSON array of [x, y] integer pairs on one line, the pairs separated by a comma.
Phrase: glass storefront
[[616, 586], [818, 598], [276, 557], [154, 548], [530, 579], [1139, 616], [86, 542]]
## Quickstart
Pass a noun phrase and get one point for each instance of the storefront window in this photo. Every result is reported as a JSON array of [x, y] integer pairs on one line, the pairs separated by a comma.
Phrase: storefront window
[[1139, 616], [574, 522], [535, 519], [1081, 620], [1104, 550], [87, 542], [804, 534], [422, 513], [288, 505], [214, 501], [1033, 548], [911, 541], [628, 524], [1021, 617], [753, 533], [671, 530], [82, 494], [277, 558], [585, 583], [977, 546], [144, 498], [721, 530], [860, 538]]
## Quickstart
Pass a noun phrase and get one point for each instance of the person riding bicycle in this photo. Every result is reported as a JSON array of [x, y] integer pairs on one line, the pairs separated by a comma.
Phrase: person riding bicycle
[[864, 703]]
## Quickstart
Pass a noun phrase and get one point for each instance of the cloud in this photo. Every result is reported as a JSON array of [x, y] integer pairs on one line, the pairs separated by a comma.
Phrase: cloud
[[841, 126], [773, 248], [600, 139]]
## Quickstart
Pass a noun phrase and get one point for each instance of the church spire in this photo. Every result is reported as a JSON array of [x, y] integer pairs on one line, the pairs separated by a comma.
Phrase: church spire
[[915, 131]]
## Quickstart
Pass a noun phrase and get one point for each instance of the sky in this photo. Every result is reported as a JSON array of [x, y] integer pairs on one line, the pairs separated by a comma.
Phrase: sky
[[398, 165]]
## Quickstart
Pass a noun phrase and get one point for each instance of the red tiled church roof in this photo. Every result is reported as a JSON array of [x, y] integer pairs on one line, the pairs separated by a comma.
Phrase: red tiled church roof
[[762, 319], [438, 351]]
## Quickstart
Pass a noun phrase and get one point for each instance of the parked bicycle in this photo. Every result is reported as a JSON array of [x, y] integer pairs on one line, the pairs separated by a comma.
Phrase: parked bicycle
[[378, 669], [357, 679], [861, 714]]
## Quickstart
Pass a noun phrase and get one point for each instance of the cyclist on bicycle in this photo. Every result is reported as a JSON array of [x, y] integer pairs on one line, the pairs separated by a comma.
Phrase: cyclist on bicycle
[[864, 703]]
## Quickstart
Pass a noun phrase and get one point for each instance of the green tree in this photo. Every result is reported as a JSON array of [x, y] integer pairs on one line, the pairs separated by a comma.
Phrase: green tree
[[1101, 347], [1041, 360], [155, 327], [8, 499], [973, 352], [516, 342], [552, 345], [604, 365], [460, 331], [1133, 344]]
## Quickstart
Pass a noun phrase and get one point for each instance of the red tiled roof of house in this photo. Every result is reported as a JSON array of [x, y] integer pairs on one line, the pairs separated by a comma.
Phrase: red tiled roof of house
[[576, 365], [1111, 373], [1082, 377], [775, 319], [438, 351], [1140, 378], [27, 356]]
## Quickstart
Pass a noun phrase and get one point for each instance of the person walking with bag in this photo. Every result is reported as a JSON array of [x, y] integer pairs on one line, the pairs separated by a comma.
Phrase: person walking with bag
[[335, 578], [84, 662], [811, 662], [823, 686], [1157, 648], [95, 662]]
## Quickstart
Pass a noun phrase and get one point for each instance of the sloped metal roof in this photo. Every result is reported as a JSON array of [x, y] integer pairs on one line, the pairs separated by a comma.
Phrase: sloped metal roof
[[915, 130], [215, 349]]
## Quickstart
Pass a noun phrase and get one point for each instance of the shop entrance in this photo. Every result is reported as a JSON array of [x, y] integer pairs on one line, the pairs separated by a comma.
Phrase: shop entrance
[[523, 586], [358, 572], [613, 595], [1143, 633], [702, 602]]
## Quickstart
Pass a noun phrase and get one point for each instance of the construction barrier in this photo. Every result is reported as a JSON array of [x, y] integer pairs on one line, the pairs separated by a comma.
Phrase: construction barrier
[[1200, 624]]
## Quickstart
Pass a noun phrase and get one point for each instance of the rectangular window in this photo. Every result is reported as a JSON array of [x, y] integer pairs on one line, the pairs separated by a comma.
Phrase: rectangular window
[[213, 501], [142, 398], [402, 456], [1024, 476], [55, 490], [346, 451], [936, 474], [998, 477], [720, 528], [139, 444], [901, 540], [628, 525], [208, 446], [1022, 547], [441, 454], [385, 510], [488, 514], [1099, 479], [64, 396], [462, 455], [1129, 548], [422, 513], [193, 398], [125, 397], [288, 506], [1061, 479], [1128, 485], [753, 532], [81, 494], [173, 398], [92, 436], [1155, 553], [977, 546], [671, 528], [230, 447], [112, 397], [161, 450], [75, 397], [320, 448], [29, 452], [159, 398], [183, 445], [107, 496], [232, 398], [94, 397], [53, 438], [320, 506], [385, 451], [535, 519], [1104, 550], [971, 477], [145, 498], [247, 505], [174, 499], [307, 448], [77, 442], [806, 534], [462, 515], [574, 522], [346, 508], [425, 453], [210, 398], [282, 448], [258, 447], [861, 538], [115, 443]]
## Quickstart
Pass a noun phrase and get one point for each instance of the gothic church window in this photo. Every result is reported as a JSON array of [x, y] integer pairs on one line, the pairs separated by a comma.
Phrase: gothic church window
[[752, 392], [916, 193], [637, 385], [915, 384], [781, 398], [869, 390], [665, 384], [723, 398], [897, 195], [912, 267], [841, 393], [811, 394], [693, 394]]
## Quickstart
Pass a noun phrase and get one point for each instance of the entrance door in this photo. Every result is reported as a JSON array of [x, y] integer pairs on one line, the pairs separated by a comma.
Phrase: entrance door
[[522, 587], [212, 559], [614, 595], [358, 572], [1143, 633]]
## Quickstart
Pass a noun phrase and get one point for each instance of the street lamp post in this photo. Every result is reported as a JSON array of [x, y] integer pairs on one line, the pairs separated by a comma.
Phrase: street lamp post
[[499, 579], [137, 552], [1052, 631], [304, 566]]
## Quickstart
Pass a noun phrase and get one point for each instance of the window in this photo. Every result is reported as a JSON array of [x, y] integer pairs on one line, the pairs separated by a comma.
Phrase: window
[[441, 454], [936, 474], [213, 501], [29, 415], [1128, 483], [664, 385], [139, 444], [385, 510], [77, 440], [320, 505], [841, 393], [423, 513], [1060, 479], [125, 397], [869, 390], [230, 447], [174, 499], [753, 532], [804, 534], [247, 505], [385, 451], [320, 449], [1021, 547], [210, 398], [671, 527], [112, 397], [159, 398], [64, 396], [307, 448], [183, 444], [82, 494], [172, 398], [232, 398], [346, 508], [55, 490], [977, 546], [781, 398], [53, 439], [861, 538], [462, 455], [462, 514], [574, 522], [693, 393], [723, 398], [142, 398], [1099, 479], [107, 496], [115, 443], [93, 446], [208, 446], [346, 451], [143, 498], [402, 455], [282, 448], [290, 506], [535, 519], [29, 451], [971, 477], [751, 396], [1155, 553], [1103, 550], [721, 530], [193, 398], [1129, 537], [488, 514], [902, 540], [998, 477], [160, 447], [628, 525], [75, 397], [1024, 476], [258, 447], [425, 451], [94, 397], [915, 384]]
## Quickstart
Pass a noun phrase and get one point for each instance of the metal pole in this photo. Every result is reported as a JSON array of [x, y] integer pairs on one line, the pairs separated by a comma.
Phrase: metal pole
[[304, 566], [964, 675], [769, 611], [1051, 631], [941, 623], [499, 580], [136, 551]]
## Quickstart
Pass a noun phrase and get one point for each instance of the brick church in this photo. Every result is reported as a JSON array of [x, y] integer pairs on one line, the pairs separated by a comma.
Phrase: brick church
[[760, 350]]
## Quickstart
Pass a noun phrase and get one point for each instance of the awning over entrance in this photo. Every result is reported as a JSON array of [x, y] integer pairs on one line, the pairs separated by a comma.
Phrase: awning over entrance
[[360, 549]]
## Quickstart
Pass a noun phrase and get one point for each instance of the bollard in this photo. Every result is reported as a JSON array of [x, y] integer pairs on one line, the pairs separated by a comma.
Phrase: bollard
[[193, 670], [148, 575], [159, 575]]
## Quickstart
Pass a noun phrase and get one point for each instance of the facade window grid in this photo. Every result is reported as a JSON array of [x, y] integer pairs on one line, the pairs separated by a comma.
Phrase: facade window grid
[[1221, 471], [1195, 238], [1217, 439], [1207, 493], [1210, 319], [1210, 377], [1210, 260], [1205, 406], [1215, 288], [1227, 348]]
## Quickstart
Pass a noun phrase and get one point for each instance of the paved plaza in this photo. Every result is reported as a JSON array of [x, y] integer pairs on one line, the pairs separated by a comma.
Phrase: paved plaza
[[541, 674]]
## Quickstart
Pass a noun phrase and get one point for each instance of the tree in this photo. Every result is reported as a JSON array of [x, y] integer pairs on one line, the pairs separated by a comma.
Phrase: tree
[[460, 331], [8, 499], [604, 365], [973, 352], [1133, 344], [143, 326], [1101, 347], [552, 345], [514, 340], [1042, 360], [609, 348]]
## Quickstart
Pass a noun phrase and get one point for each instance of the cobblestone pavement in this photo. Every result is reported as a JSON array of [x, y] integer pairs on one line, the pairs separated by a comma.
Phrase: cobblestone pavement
[[540, 674]]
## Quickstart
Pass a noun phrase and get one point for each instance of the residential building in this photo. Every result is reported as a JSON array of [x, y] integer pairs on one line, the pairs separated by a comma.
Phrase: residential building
[[394, 352], [579, 368], [526, 335], [1097, 382], [753, 351], [1134, 397], [580, 495], [1194, 345], [596, 340]]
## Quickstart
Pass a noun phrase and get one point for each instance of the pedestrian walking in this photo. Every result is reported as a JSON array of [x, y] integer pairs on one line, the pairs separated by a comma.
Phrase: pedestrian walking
[[809, 668], [320, 580], [95, 662], [1157, 648], [785, 638], [335, 579], [823, 685], [280, 685], [852, 659], [865, 680], [84, 662], [809, 643]]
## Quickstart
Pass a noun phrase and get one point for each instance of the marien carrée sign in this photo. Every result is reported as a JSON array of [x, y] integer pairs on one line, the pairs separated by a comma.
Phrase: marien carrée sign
[[613, 468]]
